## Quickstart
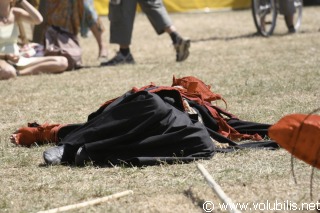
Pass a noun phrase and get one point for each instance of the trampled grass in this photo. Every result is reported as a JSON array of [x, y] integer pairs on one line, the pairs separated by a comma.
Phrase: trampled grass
[[262, 80]]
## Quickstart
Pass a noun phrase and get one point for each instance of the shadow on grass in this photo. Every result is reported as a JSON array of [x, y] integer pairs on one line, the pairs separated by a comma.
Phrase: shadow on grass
[[250, 35], [194, 198], [87, 67]]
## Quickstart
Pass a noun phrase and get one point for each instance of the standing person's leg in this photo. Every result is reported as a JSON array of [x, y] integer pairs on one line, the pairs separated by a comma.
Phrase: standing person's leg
[[121, 18], [161, 22], [92, 20], [97, 29], [287, 9]]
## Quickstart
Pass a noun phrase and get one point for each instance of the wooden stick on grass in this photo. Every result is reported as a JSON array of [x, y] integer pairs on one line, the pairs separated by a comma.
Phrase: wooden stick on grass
[[88, 203], [217, 189]]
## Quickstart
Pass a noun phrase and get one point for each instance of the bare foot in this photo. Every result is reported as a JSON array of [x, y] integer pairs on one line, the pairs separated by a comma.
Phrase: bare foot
[[103, 54], [14, 139]]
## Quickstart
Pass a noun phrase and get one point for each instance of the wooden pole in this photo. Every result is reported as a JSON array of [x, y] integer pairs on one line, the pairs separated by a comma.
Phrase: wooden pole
[[88, 203], [217, 189]]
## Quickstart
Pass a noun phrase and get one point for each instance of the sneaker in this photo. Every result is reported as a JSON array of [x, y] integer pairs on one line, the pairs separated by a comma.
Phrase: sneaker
[[119, 59], [182, 49], [62, 154], [53, 156]]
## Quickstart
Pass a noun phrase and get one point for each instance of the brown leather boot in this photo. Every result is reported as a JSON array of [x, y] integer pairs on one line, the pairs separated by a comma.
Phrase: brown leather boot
[[36, 133]]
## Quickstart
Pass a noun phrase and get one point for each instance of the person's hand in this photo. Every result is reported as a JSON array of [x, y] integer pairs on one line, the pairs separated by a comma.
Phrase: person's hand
[[12, 57]]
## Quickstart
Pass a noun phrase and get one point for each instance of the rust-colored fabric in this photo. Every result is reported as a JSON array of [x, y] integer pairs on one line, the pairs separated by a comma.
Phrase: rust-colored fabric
[[300, 135], [34, 132], [193, 86]]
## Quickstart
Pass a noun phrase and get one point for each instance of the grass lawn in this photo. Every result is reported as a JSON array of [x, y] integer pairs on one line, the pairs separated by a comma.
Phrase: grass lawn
[[262, 79]]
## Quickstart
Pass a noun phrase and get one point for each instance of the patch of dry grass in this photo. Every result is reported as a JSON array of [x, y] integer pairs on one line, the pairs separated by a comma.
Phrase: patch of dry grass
[[262, 80]]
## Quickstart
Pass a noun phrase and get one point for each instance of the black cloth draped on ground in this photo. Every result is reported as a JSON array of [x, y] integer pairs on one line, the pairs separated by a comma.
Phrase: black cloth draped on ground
[[146, 128]]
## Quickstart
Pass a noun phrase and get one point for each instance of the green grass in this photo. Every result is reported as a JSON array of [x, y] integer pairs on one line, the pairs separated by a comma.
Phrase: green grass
[[262, 80]]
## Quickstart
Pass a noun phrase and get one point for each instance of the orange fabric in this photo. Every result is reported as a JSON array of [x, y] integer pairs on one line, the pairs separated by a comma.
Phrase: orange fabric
[[26, 136], [300, 135], [197, 88]]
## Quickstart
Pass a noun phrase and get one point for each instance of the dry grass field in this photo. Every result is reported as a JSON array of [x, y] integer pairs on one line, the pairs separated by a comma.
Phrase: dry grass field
[[262, 80]]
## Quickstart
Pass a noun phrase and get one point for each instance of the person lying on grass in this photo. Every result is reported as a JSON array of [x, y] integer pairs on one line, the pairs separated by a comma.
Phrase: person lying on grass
[[146, 126]]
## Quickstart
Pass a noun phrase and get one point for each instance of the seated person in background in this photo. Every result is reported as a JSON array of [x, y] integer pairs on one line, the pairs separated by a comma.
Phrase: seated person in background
[[73, 17], [11, 63]]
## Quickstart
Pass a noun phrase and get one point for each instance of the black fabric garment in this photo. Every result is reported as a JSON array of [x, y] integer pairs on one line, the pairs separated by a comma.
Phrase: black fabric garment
[[146, 128], [243, 127], [248, 127], [65, 130], [208, 120], [141, 127]]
